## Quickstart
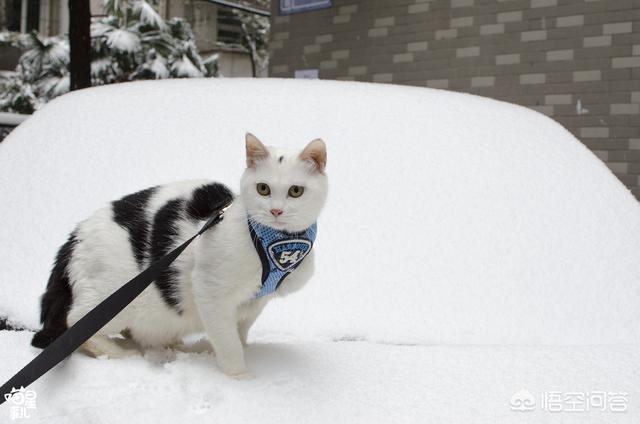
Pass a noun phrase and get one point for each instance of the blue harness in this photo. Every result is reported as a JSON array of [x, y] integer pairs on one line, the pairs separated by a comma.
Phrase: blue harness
[[280, 252]]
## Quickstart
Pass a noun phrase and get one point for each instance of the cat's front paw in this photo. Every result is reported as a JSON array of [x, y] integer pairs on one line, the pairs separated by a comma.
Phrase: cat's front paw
[[232, 368]]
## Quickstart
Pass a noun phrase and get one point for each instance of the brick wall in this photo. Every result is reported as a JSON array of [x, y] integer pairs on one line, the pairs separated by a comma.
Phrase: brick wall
[[577, 61]]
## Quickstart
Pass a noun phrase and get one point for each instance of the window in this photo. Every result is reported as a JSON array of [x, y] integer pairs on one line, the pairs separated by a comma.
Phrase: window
[[18, 14], [229, 29]]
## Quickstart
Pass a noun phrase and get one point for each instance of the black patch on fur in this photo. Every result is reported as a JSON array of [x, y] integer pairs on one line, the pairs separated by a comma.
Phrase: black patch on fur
[[206, 199], [56, 301], [280, 159], [130, 213], [163, 239]]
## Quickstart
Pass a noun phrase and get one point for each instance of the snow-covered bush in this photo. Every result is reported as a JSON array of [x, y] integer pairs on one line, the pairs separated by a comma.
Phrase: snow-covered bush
[[132, 42], [40, 75]]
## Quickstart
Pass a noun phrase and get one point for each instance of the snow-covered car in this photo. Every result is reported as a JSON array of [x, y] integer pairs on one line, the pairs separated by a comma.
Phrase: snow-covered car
[[475, 262]]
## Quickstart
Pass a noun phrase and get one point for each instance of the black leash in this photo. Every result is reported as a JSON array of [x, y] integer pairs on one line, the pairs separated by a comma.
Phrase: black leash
[[98, 317]]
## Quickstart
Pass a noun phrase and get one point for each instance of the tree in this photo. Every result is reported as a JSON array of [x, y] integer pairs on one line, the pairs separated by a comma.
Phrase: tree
[[255, 37], [80, 44]]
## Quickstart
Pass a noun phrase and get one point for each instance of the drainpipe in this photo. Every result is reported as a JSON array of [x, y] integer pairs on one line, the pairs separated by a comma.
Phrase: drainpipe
[[23, 16]]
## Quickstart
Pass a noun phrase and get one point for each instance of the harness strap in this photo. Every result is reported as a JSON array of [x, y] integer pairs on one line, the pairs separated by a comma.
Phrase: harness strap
[[257, 243], [98, 317]]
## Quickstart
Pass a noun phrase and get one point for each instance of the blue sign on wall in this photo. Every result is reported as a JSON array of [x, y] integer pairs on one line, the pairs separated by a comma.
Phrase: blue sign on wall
[[287, 7]]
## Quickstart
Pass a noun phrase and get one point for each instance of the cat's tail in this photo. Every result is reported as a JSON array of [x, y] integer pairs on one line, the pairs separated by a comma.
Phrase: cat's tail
[[56, 300]]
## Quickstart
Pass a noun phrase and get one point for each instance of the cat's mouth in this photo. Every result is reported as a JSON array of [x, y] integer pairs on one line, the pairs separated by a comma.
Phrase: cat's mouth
[[277, 223]]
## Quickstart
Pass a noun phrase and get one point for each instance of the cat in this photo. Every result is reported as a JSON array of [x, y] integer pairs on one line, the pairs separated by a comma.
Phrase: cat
[[212, 287]]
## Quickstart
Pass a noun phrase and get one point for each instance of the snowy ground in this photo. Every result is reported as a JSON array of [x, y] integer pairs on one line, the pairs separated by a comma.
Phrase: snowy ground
[[318, 381], [470, 250]]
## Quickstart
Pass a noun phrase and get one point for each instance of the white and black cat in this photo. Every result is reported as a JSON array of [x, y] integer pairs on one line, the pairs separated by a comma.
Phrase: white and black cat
[[216, 285]]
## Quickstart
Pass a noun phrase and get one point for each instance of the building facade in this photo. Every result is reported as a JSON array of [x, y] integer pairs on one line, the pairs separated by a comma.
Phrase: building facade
[[577, 61]]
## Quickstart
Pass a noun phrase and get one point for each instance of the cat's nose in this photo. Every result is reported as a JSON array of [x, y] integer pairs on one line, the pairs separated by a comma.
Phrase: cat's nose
[[276, 212]]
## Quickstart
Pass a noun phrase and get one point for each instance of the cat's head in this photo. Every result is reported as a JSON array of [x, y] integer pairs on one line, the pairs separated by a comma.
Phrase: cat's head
[[283, 189]]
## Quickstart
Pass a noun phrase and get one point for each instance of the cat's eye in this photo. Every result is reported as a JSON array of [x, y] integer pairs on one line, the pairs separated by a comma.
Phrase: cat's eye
[[263, 189], [296, 191]]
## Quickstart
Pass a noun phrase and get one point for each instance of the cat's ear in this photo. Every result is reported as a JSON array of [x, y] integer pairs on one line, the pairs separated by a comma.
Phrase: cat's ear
[[256, 151], [315, 152]]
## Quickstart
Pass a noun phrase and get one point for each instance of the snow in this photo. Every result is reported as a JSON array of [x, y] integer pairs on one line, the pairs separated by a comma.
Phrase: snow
[[159, 67], [56, 86], [123, 40], [469, 248], [99, 66], [344, 382], [148, 14], [184, 68], [53, 51]]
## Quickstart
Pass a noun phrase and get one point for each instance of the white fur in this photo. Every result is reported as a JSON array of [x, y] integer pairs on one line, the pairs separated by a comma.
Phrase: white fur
[[219, 273]]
